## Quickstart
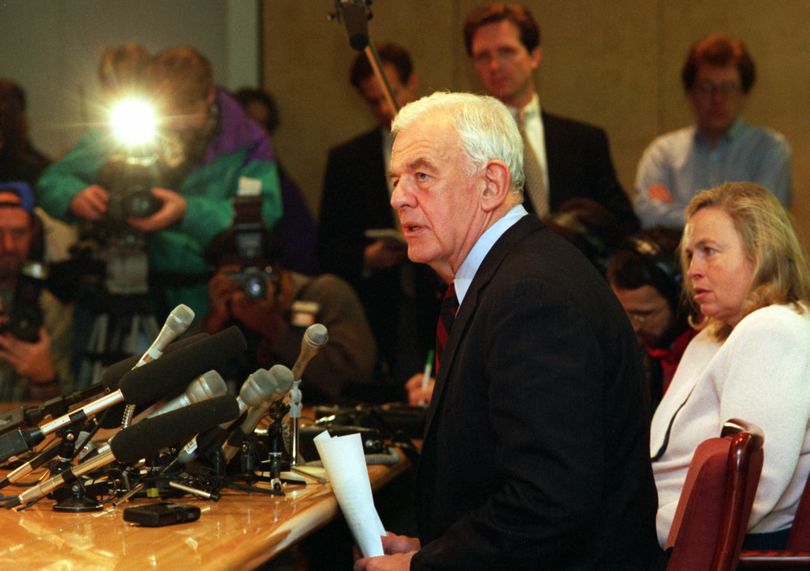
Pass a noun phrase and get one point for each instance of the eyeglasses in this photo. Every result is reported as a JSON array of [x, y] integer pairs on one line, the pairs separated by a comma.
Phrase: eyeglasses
[[708, 89], [641, 317], [502, 55]]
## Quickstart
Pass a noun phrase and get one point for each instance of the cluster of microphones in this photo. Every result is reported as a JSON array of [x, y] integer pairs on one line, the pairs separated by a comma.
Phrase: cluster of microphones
[[136, 396]]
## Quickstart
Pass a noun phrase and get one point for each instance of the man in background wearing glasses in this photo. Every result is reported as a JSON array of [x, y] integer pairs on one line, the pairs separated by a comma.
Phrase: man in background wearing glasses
[[717, 76]]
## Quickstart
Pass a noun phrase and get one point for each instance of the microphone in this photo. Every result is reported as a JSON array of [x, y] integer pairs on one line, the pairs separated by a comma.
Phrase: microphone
[[282, 382], [355, 18], [206, 386], [315, 337], [259, 387], [176, 324], [113, 373], [144, 439], [139, 386]]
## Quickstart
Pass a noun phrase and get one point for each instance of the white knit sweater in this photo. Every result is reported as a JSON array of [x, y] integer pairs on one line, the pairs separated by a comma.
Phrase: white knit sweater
[[760, 374]]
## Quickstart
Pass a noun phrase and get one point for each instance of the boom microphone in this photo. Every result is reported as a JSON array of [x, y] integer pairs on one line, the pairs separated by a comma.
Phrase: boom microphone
[[355, 17], [315, 337], [141, 440], [139, 386]]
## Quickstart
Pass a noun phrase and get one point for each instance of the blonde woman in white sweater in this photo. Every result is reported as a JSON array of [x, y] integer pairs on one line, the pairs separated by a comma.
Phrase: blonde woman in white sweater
[[748, 278]]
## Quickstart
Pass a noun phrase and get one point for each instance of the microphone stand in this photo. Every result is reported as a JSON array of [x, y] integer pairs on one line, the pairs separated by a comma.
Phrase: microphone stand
[[359, 39], [379, 73], [295, 419]]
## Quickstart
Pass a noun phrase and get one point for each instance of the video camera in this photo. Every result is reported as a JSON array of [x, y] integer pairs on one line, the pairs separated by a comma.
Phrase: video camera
[[250, 243], [113, 252], [132, 167]]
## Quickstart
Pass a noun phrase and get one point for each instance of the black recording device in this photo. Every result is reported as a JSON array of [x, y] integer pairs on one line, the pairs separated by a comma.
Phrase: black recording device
[[24, 318], [162, 513], [129, 179], [249, 240]]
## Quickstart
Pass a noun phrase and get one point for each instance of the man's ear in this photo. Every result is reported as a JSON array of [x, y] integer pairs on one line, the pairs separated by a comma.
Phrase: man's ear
[[497, 185]]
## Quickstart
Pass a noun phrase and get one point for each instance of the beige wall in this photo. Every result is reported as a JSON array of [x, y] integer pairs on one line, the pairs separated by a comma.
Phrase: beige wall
[[614, 63]]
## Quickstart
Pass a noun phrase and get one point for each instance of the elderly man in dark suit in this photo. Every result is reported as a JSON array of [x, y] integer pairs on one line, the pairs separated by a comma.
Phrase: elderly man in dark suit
[[535, 448], [565, 158]]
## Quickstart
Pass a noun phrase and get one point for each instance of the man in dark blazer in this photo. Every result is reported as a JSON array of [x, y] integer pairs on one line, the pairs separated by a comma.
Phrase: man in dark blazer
[[356, 200], [503, 41], [535, 448]]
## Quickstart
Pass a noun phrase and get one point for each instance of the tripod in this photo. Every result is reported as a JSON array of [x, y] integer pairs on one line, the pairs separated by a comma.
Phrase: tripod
[[116, 316]]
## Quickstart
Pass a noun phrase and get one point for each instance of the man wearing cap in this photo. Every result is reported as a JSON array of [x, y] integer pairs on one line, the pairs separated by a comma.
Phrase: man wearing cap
[[34, 326]]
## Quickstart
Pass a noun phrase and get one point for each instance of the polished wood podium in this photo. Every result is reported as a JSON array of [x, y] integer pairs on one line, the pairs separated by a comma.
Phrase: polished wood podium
[[240, 531]]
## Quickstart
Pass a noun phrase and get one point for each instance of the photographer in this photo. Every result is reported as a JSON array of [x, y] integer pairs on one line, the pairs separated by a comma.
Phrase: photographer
[[273, 306], [34, 325], [208, 149]]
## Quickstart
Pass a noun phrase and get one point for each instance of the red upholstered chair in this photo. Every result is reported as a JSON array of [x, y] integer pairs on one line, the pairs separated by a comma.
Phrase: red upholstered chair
[[715, 505], [797, 553]]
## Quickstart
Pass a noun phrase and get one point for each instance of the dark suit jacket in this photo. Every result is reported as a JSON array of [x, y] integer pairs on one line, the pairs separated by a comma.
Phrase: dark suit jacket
[[355, 198], [536, 448], [579, 165]]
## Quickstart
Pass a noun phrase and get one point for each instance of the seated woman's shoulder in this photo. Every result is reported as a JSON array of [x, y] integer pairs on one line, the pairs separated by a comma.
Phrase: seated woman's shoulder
[[779, 319]]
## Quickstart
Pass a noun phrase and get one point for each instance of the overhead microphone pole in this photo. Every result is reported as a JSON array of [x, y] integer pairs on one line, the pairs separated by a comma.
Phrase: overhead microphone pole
[[355, 14]]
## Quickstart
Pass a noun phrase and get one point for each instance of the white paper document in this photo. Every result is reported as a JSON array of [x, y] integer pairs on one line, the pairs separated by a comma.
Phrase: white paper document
[[345, 464]]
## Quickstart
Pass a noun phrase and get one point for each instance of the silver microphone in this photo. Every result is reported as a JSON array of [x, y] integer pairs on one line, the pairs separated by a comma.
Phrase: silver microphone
[[206, 386], [176, 324], [315, 337]]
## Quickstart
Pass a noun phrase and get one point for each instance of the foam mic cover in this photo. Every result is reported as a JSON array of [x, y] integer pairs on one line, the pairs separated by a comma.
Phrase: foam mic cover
[[151, 435], [112, 374], [174, 370]]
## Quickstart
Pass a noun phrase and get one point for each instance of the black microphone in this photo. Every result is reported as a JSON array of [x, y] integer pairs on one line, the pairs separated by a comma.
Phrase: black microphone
[[141, 440], [315, 337], [112, 374], [139, 386], [355, 17]]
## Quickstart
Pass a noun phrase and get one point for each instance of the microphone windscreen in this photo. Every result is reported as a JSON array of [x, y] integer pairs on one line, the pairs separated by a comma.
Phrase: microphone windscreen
[[112, 374], [177, 368], [151, 435]]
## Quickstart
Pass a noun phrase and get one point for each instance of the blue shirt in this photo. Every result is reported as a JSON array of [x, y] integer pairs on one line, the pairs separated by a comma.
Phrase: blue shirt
[[684, 162], [469, 267]]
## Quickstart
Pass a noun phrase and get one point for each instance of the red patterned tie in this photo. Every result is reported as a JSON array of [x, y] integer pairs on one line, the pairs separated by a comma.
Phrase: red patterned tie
[[447, 314]]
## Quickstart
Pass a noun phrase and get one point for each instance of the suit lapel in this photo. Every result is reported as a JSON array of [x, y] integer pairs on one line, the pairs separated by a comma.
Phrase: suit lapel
[[555, 154], [466, 311]]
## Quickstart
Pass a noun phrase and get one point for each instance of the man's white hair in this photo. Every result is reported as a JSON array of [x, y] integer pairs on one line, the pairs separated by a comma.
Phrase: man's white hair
[[484, 125]]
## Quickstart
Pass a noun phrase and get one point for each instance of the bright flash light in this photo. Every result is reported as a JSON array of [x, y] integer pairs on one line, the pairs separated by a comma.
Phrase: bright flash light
[[133, 122]]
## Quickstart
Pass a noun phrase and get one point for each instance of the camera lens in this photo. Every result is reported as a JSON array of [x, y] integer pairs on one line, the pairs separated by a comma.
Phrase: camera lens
[[255, 286], [141, 203]]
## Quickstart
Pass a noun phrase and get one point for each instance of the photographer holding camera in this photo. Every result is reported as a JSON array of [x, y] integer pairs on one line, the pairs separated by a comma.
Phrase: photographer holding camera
[[34, 325], [207, 148], [273, 306]]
